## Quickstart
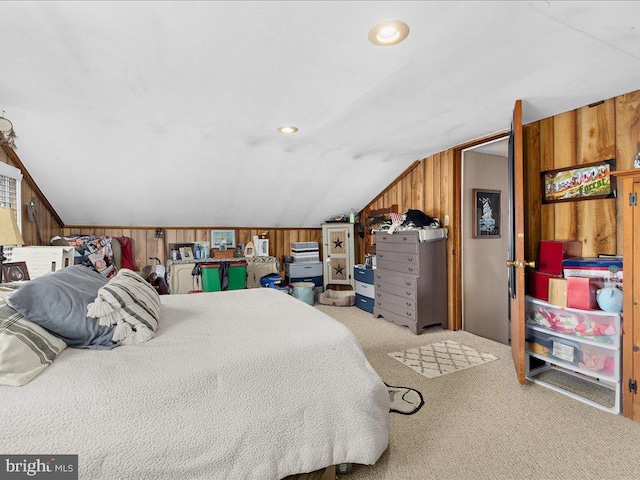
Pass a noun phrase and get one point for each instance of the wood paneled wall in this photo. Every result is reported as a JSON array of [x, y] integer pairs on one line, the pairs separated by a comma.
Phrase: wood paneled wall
[[145, 244], [427, 185], [49, 221], [604, 130]]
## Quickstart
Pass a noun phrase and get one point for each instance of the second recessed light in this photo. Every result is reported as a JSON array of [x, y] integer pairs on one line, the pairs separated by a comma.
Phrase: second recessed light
[[388, 33], [287, 129]]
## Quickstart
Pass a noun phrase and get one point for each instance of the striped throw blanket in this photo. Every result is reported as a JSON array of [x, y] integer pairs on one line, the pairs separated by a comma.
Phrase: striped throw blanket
[[131, 304]]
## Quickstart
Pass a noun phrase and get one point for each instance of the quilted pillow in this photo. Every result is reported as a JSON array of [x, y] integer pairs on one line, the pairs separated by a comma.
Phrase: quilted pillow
[[58, 302], [26, 349], [131, 304]]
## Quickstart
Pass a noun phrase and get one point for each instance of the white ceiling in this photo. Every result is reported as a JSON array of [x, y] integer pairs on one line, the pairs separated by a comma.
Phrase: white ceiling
[[164, 113]]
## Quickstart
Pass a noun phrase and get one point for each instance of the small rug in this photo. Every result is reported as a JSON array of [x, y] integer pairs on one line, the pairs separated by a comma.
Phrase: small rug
[[404, 400], [442, 358]]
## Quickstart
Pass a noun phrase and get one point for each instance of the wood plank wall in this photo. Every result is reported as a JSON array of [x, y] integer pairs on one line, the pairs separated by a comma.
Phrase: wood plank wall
[[607, 129], [427, 186], [50, 223], [145, 244], [604, 130]]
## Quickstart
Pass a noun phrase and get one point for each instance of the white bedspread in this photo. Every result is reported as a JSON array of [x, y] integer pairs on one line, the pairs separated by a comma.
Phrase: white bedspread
[[246, 384]]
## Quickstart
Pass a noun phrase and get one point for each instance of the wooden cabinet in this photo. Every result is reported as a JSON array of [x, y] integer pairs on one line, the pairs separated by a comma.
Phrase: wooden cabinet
[[411, 278], [629, 180], [338, 254]]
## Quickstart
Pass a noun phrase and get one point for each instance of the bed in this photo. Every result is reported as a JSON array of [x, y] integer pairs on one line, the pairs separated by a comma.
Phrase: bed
[[245, 384]]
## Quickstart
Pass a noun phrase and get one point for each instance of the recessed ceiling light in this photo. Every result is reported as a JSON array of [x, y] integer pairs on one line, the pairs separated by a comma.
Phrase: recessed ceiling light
[[388, 33], [287, 129]]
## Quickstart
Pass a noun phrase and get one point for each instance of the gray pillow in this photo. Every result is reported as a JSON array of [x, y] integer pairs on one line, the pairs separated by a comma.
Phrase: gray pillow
[[58, 302]]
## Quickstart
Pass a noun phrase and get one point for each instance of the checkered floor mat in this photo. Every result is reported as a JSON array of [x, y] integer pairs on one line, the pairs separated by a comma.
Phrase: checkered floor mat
[[442, 358]]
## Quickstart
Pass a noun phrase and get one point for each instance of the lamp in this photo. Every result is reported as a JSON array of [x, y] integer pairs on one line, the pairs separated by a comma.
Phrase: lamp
[[9, 233], [7, 134]]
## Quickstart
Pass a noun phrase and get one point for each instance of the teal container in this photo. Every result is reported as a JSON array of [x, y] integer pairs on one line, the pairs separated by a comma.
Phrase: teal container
[[210, 278], [304, 291]]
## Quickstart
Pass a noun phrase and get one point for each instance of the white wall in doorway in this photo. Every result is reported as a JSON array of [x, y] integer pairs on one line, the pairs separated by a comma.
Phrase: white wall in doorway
[[484, 274]]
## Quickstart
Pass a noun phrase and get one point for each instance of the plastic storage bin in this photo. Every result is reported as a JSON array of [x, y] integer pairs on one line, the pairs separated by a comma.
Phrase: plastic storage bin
[[596, 325], [237, 276], [210, 278]]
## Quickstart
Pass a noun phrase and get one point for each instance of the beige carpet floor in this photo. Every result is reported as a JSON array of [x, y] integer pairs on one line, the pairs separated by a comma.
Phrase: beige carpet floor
[[481, 424]]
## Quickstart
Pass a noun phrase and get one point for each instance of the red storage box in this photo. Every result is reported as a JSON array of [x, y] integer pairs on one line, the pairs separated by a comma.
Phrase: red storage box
[[539, 284], [582, 291], [552, 252]]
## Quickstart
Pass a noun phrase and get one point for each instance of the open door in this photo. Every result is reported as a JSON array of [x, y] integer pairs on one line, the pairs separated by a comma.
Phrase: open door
[[516, 261]]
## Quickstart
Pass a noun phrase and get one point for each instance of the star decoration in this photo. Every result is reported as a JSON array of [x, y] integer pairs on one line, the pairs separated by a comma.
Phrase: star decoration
[[337, 243], [339, 269]]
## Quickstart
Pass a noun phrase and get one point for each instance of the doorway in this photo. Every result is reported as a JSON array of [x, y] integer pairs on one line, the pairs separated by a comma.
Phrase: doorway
[[485, 239]]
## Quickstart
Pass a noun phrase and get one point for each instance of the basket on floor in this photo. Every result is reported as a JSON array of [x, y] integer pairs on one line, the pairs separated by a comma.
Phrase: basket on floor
[[338, 298]]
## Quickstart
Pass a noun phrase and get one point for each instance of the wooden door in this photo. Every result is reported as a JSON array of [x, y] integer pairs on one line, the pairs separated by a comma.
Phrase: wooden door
[[516, 261], [631, 312]]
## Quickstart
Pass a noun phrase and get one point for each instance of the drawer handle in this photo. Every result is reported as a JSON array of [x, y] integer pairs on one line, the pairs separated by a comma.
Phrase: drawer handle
[[378, 294], [408, 284], [363, 300], [408, 293], [378, 277], [408, 314], [404, 239], [381, 255], [384, 238], [410, 259], [411, 269], [378, 285], [379, 303], [408, 304], [306, 267]]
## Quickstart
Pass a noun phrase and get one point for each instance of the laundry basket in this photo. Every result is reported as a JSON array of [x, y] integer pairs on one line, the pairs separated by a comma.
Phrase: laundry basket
[[304, 291]]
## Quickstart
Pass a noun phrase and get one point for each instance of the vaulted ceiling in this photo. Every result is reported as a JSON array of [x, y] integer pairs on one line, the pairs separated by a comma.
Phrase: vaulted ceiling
[[165, 113]]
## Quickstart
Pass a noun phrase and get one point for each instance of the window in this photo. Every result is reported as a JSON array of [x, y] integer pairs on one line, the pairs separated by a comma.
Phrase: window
[[10, 195]]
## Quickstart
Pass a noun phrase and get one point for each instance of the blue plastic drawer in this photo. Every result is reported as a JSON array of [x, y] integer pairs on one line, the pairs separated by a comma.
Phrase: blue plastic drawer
[[317, 280], [364, 303], [364, 275]]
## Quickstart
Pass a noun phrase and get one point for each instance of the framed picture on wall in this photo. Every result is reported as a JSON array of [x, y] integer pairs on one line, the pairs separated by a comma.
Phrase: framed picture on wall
[[223, 239], [486, 214], [580, 182]]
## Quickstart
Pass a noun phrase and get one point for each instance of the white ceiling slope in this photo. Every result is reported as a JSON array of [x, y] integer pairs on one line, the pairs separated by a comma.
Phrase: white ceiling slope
[[164, 113]]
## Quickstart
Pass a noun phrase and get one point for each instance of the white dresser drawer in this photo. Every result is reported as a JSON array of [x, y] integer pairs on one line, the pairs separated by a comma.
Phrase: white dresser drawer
[[365, 289]]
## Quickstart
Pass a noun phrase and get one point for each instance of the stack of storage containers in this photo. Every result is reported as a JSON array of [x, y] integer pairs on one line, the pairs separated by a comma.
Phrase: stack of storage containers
[[548, 277], [305, 252], [306, 266]]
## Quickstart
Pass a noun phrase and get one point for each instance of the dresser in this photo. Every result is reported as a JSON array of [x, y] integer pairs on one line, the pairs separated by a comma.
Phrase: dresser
[[338, 253], [411, 278]]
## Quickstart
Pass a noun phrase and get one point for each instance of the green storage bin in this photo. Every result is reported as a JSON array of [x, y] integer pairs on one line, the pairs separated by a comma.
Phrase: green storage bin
[[237, 275], [210, 278]]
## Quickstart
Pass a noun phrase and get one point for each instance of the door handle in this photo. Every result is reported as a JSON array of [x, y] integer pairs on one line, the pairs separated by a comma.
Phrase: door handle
[[520, 264]]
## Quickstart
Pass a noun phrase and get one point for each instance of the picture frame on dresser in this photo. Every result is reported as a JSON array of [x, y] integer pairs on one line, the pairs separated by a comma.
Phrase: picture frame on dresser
[[486, 213], [14, 272]]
